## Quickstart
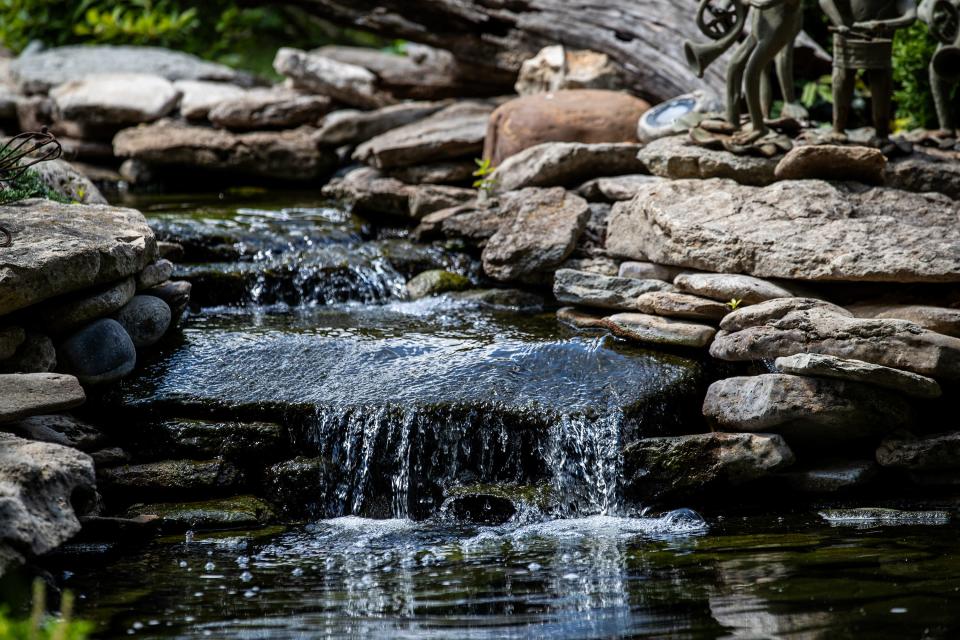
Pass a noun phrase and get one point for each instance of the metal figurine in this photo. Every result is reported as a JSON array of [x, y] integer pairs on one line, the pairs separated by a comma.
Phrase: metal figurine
[[864, 40], [943, 18]]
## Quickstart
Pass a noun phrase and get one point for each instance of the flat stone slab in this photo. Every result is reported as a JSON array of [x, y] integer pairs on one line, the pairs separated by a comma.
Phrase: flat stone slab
[[565, 164], [656, 467], [940, 319], [352, 126], [803, 230], [648, 271], [615, 188], [937, 452], [284, 155], [641, 327], [675, 157], [873, 516], [580, 319], [804, 409], [40, 72], [681, 305], [730, 286], [455, 132], [589, 289], [116, 99], [60, 248], [347, 83], [824, 366], [788, 326], [276, 108], [170, 476], [237, 512], [29, 394], [197, 97]]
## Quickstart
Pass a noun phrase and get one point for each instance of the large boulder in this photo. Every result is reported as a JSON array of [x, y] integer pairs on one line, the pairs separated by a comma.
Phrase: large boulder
[[347, 83], [352, 126], [60, 248], [564, 164], [656, 468], [585, 116], [454, 132], [39, 483], [586, 289], [805, 230], [677, 158], [40, 72], [116, 99], [804, 409], [282, 155], [540, 232], [788, 326], [30, 394]]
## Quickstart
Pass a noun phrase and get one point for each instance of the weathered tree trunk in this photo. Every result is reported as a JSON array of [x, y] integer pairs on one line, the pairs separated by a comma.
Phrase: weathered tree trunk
[[644, 36]]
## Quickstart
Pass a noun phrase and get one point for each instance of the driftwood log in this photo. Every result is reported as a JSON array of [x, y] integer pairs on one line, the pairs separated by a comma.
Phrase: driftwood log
[[645, 37]]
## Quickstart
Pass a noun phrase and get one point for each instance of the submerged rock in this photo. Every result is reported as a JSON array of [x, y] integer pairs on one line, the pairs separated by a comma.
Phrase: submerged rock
[[514, 299], [843, 476], [600, 291], [237, 512], [40, 486], [824, 366], [281, 155], [454, 132], [805, 230], [802, 409], [656, 468], [201, 439], [677, 158], [435, 281], [59, 248], [145, 319], [564, 164], [788, 326], [28, 394], [495, 504], [872, 516], [99, 353], [540, 232], [115, 99], [641, 327], [585, 116]]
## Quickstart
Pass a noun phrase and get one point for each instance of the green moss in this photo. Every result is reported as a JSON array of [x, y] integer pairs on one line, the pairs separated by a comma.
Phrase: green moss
[[29, 185]]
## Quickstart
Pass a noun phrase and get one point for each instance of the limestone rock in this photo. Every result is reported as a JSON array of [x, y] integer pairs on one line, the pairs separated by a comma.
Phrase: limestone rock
[[283, 155], [369, 191], [823, 366], [115, 99], [831, 478], [585, 116], [443, 173], [65, 314], [813, 410], [833, 162], [347, 83], [579, 319], [540, 232], [789, 326], [564, 164], [641, 327], [145, 319], [424, 199], [59, 429], [170, 477], [155, 273], [36, 355], [939, 319], [39, 483], [556, 68], [351, 126], [63, 178], [434, 282], [59, 248], [730, 286], [677, 158], [648, 271], [923, 172], [454, 132], [603, 292], [936, 452], [615, 188], [10, 340], [476, 223], [804, 230], [40, 72], [197, 97], [28, 394], [683, 465], [681, 305], [277, 108], [100, 352]]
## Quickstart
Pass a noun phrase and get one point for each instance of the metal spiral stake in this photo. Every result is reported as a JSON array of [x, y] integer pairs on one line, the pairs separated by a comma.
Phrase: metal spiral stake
[[17, 155]]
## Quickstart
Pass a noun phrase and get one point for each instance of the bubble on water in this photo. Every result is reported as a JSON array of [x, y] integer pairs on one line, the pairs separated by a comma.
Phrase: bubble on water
[[533, 566], [188, 537], [684, 520], [183, 564], [297, 572], [246, 576], [898, 610], [209, 566], [137, 625], [571, 576], [198, 594], [249, 593]]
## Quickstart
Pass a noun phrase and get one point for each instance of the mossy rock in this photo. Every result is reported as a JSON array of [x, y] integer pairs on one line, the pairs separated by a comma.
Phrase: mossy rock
[[434, 282], [237, 512]]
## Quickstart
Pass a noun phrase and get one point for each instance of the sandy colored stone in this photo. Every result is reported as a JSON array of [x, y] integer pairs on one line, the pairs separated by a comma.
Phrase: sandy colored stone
[[564, 164], [677, 158], [812, 364], [641, 327], [725, 287], [600, 291], [681, 305], [833, 162], [29, 394]]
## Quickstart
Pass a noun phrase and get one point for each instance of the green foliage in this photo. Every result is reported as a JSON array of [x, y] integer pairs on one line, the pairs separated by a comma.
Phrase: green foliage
[[483, 174], [41, 627], [27, 185], [734, 304], [912, 50]]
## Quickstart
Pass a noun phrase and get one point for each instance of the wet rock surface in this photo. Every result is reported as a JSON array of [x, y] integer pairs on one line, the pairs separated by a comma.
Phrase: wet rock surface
[[650, 329], [239, 512]]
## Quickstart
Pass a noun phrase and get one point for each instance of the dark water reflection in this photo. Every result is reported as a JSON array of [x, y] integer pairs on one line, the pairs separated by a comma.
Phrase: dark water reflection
[[595, 577]]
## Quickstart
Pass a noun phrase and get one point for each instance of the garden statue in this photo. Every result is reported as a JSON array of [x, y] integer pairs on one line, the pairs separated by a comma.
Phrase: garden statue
[[943, 18], [863, 39]]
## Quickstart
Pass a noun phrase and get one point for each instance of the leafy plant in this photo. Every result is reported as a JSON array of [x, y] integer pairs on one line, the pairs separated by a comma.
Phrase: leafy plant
[[484, 180], [912, 50], [735, 304], [39, 626], [18, 180]]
